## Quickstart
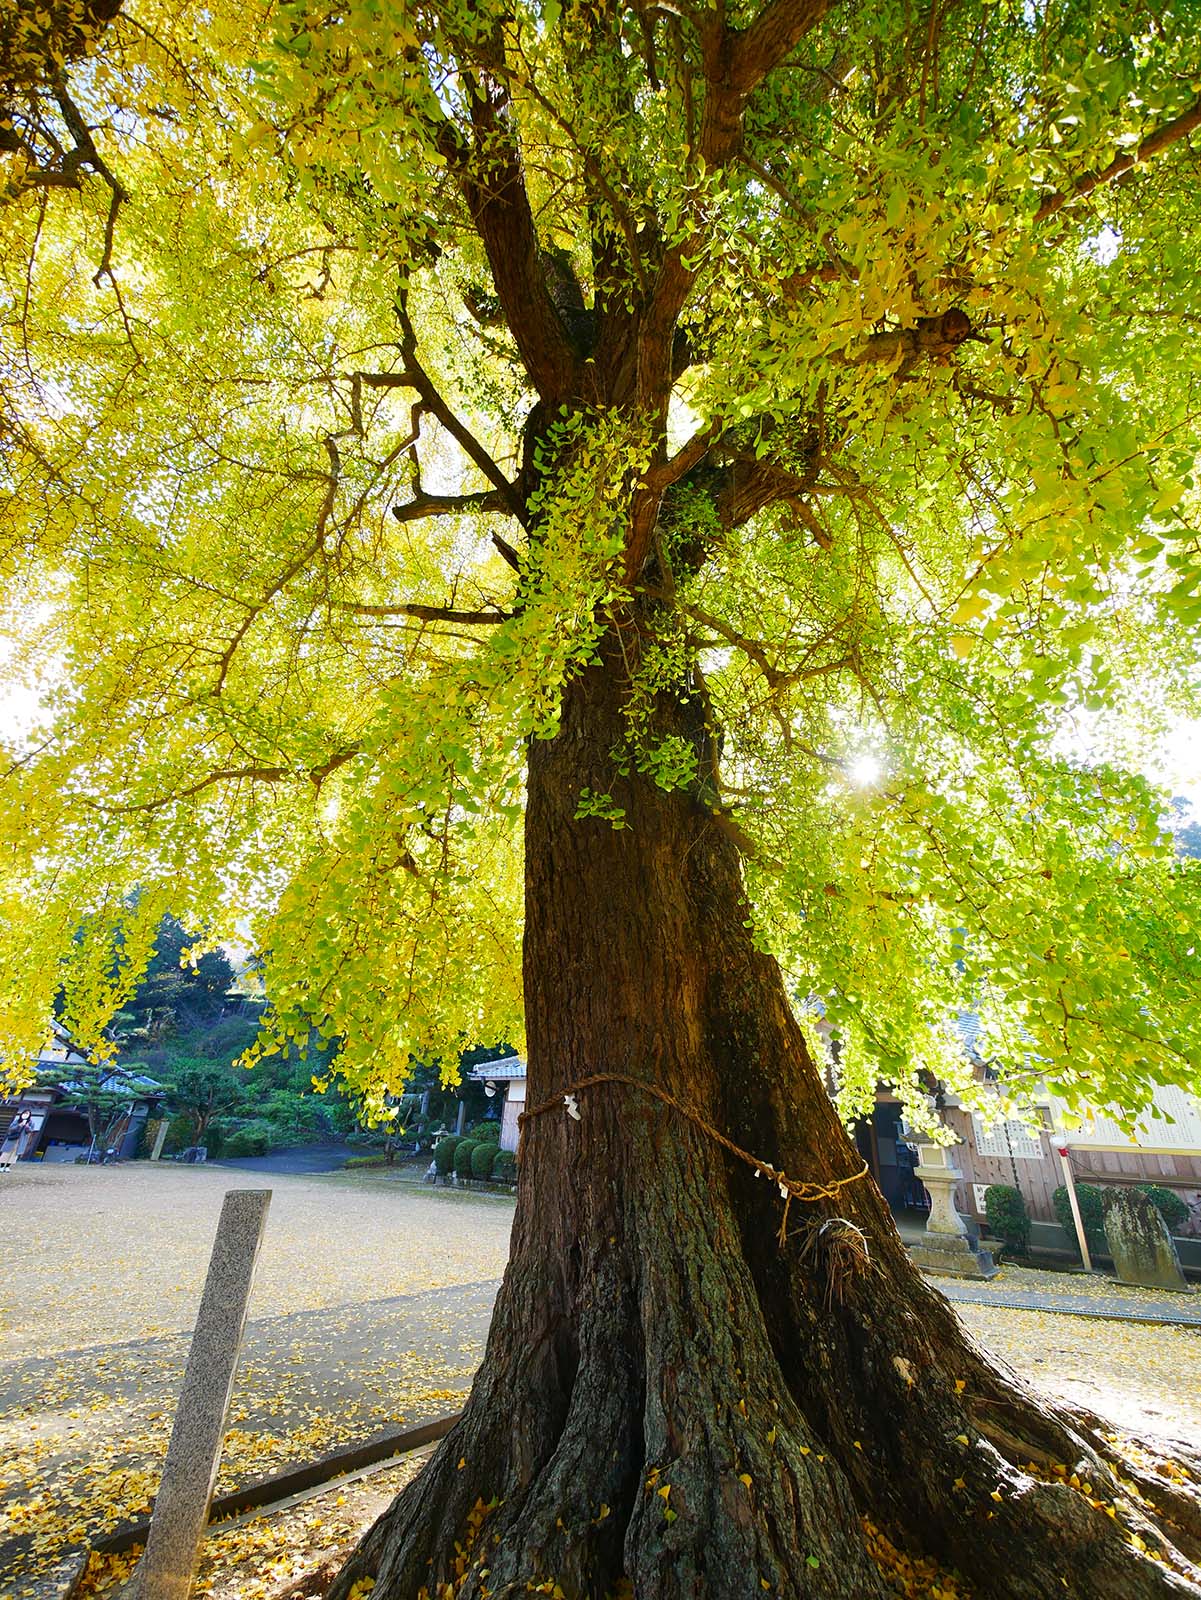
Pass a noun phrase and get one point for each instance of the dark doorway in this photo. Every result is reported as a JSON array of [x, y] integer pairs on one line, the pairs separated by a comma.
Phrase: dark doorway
[[881, 1142]]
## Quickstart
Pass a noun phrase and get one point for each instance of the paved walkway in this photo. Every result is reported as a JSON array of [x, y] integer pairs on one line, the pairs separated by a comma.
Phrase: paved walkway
[[300, 1161], [1077, 1294]]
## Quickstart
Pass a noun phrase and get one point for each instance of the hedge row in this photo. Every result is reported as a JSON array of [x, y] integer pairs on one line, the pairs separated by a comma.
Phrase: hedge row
[[471, 1156], [1009, 1221], [1091, 1201], [1089, 1197]]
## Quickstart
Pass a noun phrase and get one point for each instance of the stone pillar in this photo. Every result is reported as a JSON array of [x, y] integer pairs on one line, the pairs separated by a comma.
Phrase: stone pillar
[[946, 1247], [181, 1507]]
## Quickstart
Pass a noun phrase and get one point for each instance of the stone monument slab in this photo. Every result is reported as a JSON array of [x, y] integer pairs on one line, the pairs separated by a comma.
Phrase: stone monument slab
[[1139, 1242]]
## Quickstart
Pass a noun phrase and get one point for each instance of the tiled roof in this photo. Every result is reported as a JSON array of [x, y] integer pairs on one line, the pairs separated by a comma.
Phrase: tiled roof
[[120, 1079], [510, 1067], [968, 1024]]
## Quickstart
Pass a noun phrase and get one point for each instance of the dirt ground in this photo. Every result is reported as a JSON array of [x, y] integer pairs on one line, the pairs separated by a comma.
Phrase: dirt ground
[[92, 1256], [369, 1312], [1144, 1379]]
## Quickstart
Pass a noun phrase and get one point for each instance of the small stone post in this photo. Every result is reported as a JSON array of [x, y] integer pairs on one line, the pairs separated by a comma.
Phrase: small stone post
[[946, 1247], [181, 1508]]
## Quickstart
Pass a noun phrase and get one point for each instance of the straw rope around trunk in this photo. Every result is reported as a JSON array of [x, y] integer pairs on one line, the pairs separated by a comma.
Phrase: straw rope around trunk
[[790, 1188]]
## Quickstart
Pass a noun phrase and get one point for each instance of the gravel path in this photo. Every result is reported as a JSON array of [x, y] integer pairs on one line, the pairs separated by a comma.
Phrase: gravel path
[[103, 1255], [369, 1311]]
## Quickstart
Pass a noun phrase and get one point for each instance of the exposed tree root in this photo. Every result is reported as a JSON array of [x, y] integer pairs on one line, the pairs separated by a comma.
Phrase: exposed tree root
[[691, 1528]]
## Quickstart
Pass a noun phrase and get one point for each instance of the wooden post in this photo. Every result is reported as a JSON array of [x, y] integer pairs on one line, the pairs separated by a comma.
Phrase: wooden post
[[181, 1508], [1070, 1185]]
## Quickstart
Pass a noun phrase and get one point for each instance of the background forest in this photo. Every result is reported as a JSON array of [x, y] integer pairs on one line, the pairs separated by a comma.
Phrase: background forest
[[188, 1023]]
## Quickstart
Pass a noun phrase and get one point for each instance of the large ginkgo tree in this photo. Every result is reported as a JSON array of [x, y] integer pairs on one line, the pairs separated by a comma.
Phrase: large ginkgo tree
[[610, 523]]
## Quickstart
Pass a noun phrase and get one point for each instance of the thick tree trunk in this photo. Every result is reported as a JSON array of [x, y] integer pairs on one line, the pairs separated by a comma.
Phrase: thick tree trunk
[[672, 1402]]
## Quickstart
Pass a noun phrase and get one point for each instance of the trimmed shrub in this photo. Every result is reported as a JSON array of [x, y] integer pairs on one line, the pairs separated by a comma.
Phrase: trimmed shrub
[[1168, 1203], [486, 1130], [482, 1158], [179, 1134], [255, 1139], [504, 1167], [463, 1154], [214, 1139], [444, 1154], [1007, 1216], [1088, 1197], [1170, 1206], [147, 1133]]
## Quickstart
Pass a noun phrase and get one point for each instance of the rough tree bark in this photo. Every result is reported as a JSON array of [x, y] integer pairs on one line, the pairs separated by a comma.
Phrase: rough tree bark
[[672, 1403]]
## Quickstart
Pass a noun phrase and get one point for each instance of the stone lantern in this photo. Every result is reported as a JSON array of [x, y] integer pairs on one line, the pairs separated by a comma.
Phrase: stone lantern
[[946, 1246]]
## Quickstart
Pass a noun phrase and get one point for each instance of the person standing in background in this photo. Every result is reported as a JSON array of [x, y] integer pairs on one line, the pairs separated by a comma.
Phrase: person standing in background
[[14, 1140]]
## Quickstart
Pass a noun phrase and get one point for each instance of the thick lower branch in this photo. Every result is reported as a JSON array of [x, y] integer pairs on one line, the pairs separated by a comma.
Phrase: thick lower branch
[[429, 613]]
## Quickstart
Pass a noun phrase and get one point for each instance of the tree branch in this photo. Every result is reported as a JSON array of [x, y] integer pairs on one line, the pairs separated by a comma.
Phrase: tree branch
[[449, 505], [749, 485], [688, 456], [419, 379], [492, 182], [443, 505], [619, 211], [427, 613], [507, 551], [1169, 134], [277, 774], [933, 337], [774, 34], [86, 146], [734, 64], [756, 651], [317, 542]]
